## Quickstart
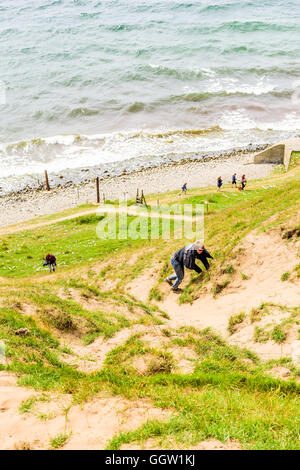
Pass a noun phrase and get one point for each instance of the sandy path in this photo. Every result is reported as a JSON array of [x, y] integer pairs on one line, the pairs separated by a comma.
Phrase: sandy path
[[100, 210], [22, 228]]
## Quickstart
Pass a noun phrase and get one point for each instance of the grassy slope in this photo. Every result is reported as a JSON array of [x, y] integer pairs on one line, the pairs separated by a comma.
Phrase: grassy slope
[[212, 401]]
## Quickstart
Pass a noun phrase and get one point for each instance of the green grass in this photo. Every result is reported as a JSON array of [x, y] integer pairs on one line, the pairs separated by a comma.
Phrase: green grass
[[227, 396], [220, 416], [278, 335], [235, 320], [208, 403], [285, 276], [229, 269], [211, 402], [27, 405], [219, 286], [295, 160], [155, 294], [59, 441], [74, 241], [244, 277]]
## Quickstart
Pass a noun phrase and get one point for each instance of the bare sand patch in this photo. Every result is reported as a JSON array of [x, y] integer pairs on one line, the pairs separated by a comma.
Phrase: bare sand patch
[[268, 349], [264, 259], [141, 363], [109, 305], [279, 372], [141, 286], [88, 426], [91, 357], [185, 359]]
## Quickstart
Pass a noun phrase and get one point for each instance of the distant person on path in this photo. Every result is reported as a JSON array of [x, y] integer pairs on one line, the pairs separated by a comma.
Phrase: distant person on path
[[233, 181], [243, 182], [184, 188], [186, 257], [219, 183], [50, 261]]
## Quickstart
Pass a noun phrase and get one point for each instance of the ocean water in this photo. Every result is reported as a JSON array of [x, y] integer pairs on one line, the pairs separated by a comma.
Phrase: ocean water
[[89, 82]]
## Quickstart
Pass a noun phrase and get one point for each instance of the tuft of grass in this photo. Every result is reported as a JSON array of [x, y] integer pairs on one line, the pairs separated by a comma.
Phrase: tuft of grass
[[90, 219], [256, 314], [219, 286], [260, 335], [154, 294], [27, 405], [285, 276], [59, 441], [61, 320], [186, 297], [278, 334], [229, 269], [162, 364], [235, 320], [244, 277]]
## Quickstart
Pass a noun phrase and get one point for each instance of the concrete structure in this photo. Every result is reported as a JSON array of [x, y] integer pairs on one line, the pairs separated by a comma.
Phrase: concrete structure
[[279, 153]]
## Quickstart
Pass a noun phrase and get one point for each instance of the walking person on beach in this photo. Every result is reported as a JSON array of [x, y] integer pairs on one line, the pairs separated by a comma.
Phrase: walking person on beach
[[184, 188], [219, 183], [186, 257], [50, 261], [233, 181], [243, 182]]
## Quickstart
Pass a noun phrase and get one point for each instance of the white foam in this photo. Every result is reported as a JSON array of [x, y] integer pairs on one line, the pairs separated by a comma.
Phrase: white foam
[[92, 150]]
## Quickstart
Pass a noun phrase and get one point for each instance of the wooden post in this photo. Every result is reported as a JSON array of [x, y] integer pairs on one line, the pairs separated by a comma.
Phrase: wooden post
[[47, 181], [98, 190], [143, 199]]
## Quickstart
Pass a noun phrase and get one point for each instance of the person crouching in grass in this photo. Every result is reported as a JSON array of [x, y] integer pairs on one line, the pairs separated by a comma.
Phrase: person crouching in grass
[[50, 261], [186, 257]]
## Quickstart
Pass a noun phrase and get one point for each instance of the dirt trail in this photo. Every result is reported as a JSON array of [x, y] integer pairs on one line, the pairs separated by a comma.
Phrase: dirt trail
[[98, 210], [31, 226]]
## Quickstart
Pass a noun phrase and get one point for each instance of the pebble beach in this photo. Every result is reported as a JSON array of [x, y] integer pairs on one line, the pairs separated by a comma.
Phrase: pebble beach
[[23, 206]]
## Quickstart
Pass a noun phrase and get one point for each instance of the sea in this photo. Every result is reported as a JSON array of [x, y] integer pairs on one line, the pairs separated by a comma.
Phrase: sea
[[117, 83]]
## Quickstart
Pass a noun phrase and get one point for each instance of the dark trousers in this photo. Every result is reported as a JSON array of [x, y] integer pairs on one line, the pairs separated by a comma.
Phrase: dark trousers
[[179, 273]]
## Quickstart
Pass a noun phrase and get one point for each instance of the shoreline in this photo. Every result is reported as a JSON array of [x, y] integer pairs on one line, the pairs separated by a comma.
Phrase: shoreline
[[84, 174], [23, 206]]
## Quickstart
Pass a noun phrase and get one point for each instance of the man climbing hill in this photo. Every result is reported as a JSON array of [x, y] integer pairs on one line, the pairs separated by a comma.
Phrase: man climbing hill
[[186, 257]]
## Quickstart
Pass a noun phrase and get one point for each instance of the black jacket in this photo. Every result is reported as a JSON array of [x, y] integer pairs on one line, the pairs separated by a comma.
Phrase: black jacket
[[187, 257]]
